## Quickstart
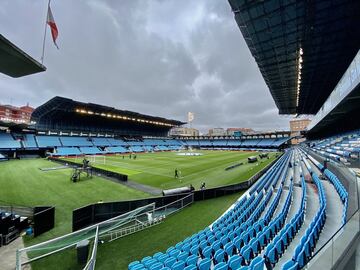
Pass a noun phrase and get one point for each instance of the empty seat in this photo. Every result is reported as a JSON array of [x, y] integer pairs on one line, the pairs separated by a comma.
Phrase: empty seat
[[205, 264], [179, 265], [220, 266], [235, 262], [219, 256], [191, 260], [169, 262]]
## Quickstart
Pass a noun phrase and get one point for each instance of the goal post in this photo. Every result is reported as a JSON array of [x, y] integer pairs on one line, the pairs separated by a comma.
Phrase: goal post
[[96, 159]]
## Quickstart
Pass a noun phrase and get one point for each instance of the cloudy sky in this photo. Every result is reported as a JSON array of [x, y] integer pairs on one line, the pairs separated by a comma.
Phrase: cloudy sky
[[157, 57]]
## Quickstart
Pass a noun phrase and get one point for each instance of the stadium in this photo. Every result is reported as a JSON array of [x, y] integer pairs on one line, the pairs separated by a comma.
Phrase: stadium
[[89, 186]]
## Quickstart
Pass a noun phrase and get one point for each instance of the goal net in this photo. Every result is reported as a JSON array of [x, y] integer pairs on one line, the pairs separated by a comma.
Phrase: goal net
[[94, 159]]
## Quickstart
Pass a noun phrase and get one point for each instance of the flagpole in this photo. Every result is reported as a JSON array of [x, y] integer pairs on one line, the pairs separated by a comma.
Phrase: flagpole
[[43, 47]]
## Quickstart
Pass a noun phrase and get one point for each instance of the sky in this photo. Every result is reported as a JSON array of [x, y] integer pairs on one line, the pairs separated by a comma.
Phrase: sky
[[156, 57]]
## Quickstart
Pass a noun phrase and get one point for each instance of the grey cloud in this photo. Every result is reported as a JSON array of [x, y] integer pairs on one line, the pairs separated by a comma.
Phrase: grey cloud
[[156, 57]]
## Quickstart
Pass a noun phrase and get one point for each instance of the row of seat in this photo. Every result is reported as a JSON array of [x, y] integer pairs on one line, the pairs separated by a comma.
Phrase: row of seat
[[248, 235], [343, 194], [231, 242], [303, 251], [73, 151]]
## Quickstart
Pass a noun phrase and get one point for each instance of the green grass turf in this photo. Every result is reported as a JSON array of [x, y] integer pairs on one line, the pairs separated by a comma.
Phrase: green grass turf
[[119, 253], [22, 183], [157, 169]]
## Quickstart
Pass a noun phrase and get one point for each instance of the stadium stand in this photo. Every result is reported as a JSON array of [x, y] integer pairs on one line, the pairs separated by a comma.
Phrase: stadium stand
[[29, 141], [117, 149], [48, 141], [264, 227], [8, 142], [100, 141], [136, 149], [75, 141], [117, 142], [343, 147], [67, 151], [91, 151]]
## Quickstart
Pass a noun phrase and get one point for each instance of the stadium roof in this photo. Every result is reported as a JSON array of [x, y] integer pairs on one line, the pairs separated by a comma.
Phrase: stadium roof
[[58, 104], [65, 114], [302, 48], [15, 62]]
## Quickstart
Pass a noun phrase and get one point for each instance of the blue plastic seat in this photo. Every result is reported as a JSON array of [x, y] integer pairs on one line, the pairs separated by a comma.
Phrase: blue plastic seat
[[174, 253], [157, 254], [279, 247], [220, 266], [203, 244], [156, 266], [179, 245], [169, 262], [162, 258], [183, 256], [235, 262], [205, 264], [290, 265], [191, 260], [138, 267], [257, 263], [296, 252], [150, 262], [273, 255], [246, 252], [207, 252], [255, 245], [307, 248], [301, 258], [211, 239], [179, 265], [219, 256], [146, 259], [224, 240], [186, 247], [238, 242], [132, 264], [190, 267], [229, 249], [194, 250], [216, 245], [262, 239]]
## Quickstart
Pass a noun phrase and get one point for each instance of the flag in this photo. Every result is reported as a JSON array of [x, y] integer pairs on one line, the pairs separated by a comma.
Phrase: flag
[[190, 116], [51, 22]]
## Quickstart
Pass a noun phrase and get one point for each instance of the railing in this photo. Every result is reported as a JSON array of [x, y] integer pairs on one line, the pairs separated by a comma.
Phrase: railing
[[91, 263], [157, 216], [50, 247], [337, 246]]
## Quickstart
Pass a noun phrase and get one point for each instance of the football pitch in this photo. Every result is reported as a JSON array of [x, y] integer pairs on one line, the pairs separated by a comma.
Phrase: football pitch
[[158, 169], [24, 183]]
